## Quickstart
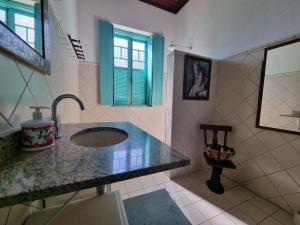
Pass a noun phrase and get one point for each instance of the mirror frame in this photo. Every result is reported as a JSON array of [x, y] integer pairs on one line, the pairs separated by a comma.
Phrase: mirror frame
[[17, 47], [261, 88]]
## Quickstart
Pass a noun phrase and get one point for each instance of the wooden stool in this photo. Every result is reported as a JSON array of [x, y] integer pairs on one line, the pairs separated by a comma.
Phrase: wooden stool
[[218, 156]]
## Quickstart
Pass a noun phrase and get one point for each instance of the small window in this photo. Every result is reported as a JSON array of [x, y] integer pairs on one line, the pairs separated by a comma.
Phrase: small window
[[24, 27], [130, 68], [3, 16], [120, 52], [136, 158]]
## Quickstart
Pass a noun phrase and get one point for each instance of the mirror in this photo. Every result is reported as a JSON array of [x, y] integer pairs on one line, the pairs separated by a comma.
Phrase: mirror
[[279, 100], [24, 31], [24, 18]]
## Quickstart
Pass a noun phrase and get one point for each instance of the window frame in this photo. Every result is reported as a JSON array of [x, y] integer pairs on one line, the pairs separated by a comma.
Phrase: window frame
[[14, 8], [5, 10], [14, 12], [131, 37]]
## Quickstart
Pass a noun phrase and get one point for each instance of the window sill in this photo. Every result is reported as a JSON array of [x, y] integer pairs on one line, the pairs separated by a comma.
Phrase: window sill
[[131, 105]]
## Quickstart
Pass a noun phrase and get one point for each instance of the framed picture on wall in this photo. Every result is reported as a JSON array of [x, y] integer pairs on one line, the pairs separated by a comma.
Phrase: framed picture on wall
[[197, 72]]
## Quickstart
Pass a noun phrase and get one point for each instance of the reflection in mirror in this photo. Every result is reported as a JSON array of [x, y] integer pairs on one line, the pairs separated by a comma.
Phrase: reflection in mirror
[[24, 18], [280, 99]]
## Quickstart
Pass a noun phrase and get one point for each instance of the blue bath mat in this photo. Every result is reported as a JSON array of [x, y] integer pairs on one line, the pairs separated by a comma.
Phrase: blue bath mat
[[155, 208]]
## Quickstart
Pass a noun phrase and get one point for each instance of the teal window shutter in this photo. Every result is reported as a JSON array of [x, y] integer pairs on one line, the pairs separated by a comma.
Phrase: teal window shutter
[[139, 72], [157, 68], [106, 62], [122, 65]]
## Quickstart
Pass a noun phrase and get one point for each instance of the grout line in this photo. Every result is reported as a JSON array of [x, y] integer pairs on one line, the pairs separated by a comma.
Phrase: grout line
[[7, 217], [19, 100], [6, 120], [49, 89], [27, 82], [270, 216]]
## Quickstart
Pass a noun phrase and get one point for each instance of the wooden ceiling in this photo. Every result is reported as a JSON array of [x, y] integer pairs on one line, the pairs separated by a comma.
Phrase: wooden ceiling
[[172, 6]]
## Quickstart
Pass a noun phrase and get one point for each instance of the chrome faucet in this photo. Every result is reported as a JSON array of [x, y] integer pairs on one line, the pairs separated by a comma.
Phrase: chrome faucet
[[54, 111]]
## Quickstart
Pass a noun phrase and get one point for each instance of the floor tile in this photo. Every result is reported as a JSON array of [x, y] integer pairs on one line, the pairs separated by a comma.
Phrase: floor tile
[[193, 215], [283, 217], [136, 193], [264, 205], [208, 209], [148, 181], [120, 186], [221, 202], [133, 185], [238, 216], [154, 188], [160, 178], [234, 198], [243, 193], [172, 187], [181, 199], [253, 212], [270, 221], [221, 220]]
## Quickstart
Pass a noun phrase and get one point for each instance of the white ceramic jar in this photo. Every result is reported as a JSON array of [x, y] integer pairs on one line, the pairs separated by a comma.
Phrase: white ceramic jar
[[38, 133]]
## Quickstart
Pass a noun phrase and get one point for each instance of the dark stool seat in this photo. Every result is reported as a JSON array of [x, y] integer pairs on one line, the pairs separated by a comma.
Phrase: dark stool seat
[[214, 184]]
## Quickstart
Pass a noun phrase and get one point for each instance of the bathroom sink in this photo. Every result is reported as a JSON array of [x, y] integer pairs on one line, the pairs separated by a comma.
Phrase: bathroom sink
[[99, 137]]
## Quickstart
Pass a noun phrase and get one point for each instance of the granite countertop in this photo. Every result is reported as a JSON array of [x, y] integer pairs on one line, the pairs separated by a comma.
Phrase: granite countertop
[[68, 167]]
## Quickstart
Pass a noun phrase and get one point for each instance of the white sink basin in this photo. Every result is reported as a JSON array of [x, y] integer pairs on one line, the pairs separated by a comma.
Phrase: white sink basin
[[99, 137]]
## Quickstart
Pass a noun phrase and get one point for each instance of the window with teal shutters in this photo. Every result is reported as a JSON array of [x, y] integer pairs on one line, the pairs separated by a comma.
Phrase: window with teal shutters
[[130, 68]]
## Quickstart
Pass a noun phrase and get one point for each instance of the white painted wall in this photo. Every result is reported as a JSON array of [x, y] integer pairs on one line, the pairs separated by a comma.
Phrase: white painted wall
[[130, 13], [283, 60], [220, 28], [67, 10]]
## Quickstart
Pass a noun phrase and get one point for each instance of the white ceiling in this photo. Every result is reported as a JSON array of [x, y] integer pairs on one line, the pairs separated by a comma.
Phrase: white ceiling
[[221, 28]]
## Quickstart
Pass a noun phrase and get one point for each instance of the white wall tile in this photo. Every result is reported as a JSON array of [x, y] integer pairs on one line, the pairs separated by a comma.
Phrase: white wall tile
[[273, 152], [263, 187], [268, 163], [294, 201], [287, 156], [283, 217], [283, 183], [295, 174], [270, 139], [282, 203]]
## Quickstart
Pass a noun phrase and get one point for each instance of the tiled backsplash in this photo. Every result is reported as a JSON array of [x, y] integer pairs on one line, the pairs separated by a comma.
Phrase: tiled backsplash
[[268, 162], [22, 86], [151, 119]]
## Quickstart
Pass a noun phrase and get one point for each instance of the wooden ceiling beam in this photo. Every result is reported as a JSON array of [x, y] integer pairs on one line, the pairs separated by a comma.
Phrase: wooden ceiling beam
[[173, 6]]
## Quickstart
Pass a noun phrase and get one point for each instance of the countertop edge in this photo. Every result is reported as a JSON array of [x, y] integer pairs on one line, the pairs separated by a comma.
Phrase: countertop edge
[[64, 189]]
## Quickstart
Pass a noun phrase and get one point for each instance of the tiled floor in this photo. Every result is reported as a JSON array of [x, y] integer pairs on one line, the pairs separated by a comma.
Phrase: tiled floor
[[237, 206]]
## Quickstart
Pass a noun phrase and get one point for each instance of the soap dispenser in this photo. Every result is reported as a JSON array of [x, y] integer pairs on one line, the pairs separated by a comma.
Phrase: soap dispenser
[[38, 133]]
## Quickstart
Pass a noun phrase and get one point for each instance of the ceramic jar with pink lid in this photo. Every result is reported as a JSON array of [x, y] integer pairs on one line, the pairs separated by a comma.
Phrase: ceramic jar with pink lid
[[38, 133]]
